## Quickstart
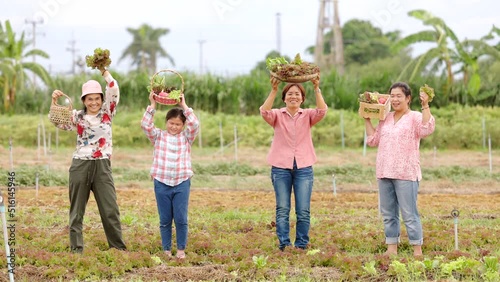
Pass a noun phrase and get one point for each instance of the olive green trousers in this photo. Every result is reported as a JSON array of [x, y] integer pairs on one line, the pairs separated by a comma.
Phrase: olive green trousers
[[95, 176]]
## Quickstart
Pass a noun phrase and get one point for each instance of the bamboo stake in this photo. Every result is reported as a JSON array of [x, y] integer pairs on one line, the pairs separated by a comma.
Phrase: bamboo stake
[[235, 143], [342, 128], [11, 155], [490, 156], [6, 240], [221, 139], [200, 142]]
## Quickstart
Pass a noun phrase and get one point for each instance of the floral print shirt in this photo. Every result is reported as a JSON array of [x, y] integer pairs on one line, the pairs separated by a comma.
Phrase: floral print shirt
[[398, 155], [94, 135]]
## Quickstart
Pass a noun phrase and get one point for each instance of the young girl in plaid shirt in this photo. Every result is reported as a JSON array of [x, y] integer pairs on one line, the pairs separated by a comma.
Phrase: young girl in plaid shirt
[[171, 169]]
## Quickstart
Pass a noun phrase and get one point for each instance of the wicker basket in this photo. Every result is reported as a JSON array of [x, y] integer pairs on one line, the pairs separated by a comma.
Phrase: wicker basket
[[295, 79], [377, 111], [163, 99], [59, 114]]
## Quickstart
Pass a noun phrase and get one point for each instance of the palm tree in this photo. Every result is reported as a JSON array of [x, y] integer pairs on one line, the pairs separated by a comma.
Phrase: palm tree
[[13, 64], [145, 47]]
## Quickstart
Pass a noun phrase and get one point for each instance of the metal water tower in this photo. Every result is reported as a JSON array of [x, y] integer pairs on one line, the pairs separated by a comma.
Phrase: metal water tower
[[328, 21]]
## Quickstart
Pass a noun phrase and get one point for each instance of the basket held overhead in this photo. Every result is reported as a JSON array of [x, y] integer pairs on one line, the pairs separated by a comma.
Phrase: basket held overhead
[[295, 79], [163, 97], [59, 114]]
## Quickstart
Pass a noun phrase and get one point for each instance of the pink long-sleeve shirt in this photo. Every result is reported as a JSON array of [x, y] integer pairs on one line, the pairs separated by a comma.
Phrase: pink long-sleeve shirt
[[292, 136], [398, 155]]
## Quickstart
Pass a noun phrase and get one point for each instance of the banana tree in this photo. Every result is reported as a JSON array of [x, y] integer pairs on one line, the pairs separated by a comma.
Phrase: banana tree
[[472, 51], [440, 55], [463, 55], [13, 56]]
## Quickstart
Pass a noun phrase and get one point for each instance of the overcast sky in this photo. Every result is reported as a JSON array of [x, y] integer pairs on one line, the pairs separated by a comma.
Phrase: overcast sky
[[236, 33]]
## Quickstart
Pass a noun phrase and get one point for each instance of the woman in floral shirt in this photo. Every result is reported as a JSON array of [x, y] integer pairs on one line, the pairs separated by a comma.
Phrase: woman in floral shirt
[[398, 164], [91, 166]]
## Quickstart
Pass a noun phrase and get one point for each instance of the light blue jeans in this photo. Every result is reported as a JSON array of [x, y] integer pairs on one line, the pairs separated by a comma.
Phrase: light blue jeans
[[301, 182], [172, 203], [396, 195]]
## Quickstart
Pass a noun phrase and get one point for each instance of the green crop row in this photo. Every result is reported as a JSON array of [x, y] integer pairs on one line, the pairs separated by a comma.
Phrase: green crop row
[[457, 127]]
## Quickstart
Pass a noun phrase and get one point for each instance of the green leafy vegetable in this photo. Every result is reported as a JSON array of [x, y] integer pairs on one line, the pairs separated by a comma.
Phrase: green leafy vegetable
[[175, 94], [158, 84], [428, 90], [276, 63], [297, 60], [369, 97], [99, 60]]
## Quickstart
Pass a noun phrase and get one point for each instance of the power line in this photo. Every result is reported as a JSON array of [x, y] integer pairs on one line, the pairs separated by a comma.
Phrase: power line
[[73, 51]]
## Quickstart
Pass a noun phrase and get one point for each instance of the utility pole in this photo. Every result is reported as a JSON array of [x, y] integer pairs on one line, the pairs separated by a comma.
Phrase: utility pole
[[201, 42], [73, 51], [33, 31], [328, 21], [278, 33]]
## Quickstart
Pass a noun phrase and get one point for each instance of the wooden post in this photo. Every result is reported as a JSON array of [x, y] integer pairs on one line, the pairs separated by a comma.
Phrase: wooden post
[[221, 139], [235, 143]]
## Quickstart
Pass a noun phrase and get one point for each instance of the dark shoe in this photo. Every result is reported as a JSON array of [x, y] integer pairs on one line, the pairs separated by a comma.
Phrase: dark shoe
[[282, 248], [300, 247]]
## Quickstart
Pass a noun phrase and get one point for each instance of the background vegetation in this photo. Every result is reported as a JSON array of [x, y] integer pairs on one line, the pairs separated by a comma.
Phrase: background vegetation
[[458, 127]]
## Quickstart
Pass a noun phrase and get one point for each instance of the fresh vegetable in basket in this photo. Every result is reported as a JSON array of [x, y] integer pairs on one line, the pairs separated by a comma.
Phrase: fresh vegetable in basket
[[371, 98], [284, 69], [158, 84], [174, 94], [428, 90], [99, 60]]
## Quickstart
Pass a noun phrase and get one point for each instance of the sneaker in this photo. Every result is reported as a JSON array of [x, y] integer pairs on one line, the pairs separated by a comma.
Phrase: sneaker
[[168, 254]]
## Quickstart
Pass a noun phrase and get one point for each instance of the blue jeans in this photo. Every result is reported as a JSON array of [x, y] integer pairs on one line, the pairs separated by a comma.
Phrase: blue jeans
[[401, 195], [172, 203], [301, 180]]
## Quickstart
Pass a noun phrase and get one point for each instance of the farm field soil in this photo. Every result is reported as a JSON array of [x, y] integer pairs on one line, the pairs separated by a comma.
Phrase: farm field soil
[[242, 209], [198, 267]]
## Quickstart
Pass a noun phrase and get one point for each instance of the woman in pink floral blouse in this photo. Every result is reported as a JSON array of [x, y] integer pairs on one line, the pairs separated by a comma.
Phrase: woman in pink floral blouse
[[398, 165], [91, 166]]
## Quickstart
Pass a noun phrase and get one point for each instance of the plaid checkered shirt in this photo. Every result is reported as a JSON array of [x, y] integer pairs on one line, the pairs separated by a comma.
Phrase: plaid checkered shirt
[[172, 153]]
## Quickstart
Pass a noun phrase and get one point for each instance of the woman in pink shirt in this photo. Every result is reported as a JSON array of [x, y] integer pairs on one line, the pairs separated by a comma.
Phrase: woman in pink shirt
[[292, 156], [398, 164]]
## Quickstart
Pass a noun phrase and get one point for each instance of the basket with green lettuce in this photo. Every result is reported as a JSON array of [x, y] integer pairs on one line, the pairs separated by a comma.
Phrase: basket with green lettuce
[[296, 71], [165, 94]]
